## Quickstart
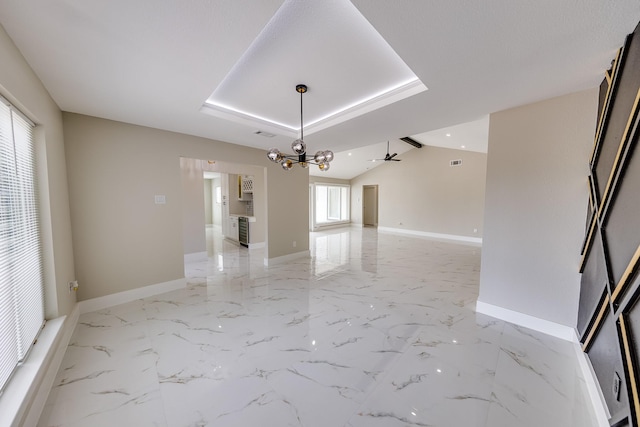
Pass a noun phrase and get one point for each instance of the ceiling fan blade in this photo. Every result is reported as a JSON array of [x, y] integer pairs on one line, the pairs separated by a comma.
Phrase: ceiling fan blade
[[388, 157], [395, 160]]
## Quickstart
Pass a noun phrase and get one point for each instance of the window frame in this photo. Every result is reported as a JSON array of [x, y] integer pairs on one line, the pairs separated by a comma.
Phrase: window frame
[[344, 205], [21, 255]]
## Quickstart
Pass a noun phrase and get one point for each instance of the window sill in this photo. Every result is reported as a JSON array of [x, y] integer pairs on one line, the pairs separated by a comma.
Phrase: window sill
[[26, 394]]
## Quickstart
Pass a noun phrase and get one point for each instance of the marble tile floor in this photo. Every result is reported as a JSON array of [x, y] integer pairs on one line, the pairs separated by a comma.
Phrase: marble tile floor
[[373, 330]]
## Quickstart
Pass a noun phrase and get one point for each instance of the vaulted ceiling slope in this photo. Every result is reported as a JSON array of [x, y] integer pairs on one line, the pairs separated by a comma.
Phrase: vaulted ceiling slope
[[156, 62]]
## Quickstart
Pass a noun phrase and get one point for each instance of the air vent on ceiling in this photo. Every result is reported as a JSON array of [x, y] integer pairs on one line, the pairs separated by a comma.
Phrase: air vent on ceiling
[[265, 134], [455, 162], [411, 141]]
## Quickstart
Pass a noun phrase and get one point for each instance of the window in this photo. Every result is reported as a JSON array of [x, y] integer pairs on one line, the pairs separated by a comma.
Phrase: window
[[331, 204], [334, 201], [21, 282]]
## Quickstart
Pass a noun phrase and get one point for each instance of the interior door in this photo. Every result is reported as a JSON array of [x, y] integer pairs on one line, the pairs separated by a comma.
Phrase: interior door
[[370, 205]]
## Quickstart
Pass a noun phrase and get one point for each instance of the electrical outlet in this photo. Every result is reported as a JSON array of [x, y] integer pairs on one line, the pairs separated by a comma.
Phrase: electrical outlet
[[475, 230], [73, 286]]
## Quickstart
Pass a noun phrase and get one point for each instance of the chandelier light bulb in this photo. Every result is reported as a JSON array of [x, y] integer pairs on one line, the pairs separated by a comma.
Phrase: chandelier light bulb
[[274, 155], [287, 164], [319, 157], [299, 147], [328, 155]]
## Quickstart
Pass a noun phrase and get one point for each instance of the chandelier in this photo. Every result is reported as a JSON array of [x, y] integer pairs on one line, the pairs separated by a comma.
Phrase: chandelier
[[321, 158]]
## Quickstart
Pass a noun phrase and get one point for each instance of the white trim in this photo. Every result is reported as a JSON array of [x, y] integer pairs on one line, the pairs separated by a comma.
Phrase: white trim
[[195, 257], [315, 226], [454, 237], [400, 91], [329, 184], [593, 386], [23, 400], [330, 225], [557, 330], [563, 332], [99, 303], [258, 245], [286, 258]]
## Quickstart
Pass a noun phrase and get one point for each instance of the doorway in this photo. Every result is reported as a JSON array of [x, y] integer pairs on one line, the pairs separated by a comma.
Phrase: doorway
[[370, 205], [213, 211]]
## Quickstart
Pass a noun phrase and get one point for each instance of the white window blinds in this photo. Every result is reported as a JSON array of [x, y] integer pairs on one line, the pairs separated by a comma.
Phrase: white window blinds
[[21, 282]]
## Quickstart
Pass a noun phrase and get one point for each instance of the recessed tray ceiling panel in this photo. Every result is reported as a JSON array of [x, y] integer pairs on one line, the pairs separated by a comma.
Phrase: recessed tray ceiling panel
[[327, 45]]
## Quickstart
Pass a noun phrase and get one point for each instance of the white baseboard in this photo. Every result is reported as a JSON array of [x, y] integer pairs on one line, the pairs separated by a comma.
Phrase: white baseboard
[[258, 245], [541, 325], [23, 400], [593, 387], [563, 332], [195, 257], [99, 303], [461, 239], [286, 258]]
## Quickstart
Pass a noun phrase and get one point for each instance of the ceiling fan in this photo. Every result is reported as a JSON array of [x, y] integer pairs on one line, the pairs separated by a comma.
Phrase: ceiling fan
[[388, 157]]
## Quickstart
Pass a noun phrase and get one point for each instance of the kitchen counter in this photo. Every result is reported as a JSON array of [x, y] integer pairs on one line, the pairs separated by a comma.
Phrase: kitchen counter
[[249, 218]]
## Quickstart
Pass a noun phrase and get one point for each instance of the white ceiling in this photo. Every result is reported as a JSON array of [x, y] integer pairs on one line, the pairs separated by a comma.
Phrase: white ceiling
[[470, 136], [156, 62], [351, 163], [313, 43]]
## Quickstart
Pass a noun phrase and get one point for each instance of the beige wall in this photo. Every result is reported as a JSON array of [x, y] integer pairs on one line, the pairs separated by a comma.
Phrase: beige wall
[[20, 85], [321, 179], [235, 205], [535, 206], [294, 204], [122, 239], [193, 210], [217, 207], [208, 201], [423, 193]]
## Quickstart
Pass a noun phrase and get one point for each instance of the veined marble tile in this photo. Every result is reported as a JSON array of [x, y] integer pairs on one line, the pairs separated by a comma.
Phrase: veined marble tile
[[373, 330]]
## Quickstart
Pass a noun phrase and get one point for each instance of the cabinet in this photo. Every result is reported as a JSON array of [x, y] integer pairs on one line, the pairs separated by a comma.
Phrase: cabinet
[[233, 228], [245, 187]]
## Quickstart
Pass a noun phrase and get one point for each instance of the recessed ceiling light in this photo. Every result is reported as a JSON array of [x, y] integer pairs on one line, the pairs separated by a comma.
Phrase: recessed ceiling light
[[462, 146], [448, 134], [349, 154]]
